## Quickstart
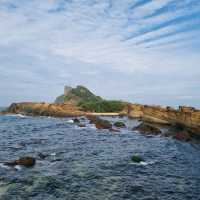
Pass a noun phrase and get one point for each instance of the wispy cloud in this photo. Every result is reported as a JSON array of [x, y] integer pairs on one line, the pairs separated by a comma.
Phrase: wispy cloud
[[54, 42]]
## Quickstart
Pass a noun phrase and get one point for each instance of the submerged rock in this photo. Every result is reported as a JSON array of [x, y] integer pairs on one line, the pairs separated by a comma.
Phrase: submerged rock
[[120, 124], [24, 161], [137, 159], [145, 128]]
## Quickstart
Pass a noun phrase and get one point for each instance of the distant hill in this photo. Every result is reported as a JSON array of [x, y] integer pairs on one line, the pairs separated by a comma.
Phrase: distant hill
[[76, 95], [87, 101]]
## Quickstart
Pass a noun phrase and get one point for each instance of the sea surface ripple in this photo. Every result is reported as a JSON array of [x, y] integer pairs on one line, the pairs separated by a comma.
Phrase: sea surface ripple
[[91, 164]]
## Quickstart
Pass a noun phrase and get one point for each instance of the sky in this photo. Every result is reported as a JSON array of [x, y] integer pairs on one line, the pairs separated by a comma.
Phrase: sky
[[143, 51]]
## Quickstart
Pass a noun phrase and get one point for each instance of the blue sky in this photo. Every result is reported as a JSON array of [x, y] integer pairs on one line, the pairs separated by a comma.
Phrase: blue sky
[[145, 51]]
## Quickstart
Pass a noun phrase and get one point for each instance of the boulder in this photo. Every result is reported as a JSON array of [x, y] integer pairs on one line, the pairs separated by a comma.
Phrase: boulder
[[147, 129], [100, 123], [137, 159], [120, 124], [76, 120], [24, 161]]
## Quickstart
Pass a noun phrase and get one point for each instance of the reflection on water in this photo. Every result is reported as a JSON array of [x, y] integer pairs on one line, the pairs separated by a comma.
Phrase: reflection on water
[[90, 164]]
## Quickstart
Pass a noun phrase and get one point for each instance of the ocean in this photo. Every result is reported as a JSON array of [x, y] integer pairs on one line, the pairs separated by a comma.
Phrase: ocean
[[90, 164]]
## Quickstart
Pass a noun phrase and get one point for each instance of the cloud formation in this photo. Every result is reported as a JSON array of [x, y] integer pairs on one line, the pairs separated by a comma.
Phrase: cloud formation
[[141, 50]]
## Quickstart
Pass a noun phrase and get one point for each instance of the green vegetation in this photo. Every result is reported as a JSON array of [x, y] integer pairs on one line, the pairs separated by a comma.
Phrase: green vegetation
[[102, 106], [87, 101], [62, 99], [80, 93], [84, 94]]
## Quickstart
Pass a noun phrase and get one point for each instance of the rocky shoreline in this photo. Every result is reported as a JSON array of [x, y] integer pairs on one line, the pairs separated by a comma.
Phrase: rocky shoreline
[[183, 123]]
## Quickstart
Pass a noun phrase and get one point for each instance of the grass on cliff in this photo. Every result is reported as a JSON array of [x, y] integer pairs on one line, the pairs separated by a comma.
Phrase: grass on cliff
[[101, 106]]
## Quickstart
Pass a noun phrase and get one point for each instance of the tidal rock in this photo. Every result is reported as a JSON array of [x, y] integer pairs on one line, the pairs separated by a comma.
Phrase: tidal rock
[[100, 123], [76, 120], [120, 124], [179, 132], [24, 161], [137, 159], [147, 129]]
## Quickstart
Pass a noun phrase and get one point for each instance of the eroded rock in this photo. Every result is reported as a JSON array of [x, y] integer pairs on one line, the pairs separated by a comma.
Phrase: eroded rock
[[147, 129], [24, 161]]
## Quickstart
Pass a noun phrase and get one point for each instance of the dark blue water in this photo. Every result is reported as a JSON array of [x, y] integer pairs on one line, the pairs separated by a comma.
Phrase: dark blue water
[[90, 164]]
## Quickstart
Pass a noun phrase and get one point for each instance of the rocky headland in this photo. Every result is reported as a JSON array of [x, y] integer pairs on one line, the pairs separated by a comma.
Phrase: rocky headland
[[183, 123]]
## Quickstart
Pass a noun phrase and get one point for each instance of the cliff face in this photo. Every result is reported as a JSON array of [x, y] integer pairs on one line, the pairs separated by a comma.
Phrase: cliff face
[[187, 116]]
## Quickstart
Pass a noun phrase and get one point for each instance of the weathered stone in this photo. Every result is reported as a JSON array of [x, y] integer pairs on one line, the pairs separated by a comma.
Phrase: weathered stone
[[147, 129], [24, 161], [188, 116], [99, 123]]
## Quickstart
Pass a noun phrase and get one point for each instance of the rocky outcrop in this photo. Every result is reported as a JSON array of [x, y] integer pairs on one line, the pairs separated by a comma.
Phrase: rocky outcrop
[[187, 116], [45, 109], [100, 123], [147, 129]]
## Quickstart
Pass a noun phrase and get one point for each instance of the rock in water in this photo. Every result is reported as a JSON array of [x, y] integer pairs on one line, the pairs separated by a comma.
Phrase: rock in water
[[76, 120], [24, 161], [120, 124], [147, 129], [136, 158], [99, 123], [179, 132]]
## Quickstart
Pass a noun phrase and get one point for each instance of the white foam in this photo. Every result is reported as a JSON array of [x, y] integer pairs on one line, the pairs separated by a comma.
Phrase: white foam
[[18, 167], [4, 166], [70, 121]]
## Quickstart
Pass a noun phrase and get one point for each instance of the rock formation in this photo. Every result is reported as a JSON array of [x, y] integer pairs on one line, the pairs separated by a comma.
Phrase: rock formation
[[187, 116]]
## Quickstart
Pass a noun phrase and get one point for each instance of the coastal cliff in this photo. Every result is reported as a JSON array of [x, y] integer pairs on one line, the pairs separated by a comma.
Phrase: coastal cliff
[[187, 116]]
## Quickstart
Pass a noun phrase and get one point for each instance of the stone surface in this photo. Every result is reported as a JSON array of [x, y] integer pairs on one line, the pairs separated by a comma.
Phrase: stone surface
[[24, 161], [147, 129], [187, 116]]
